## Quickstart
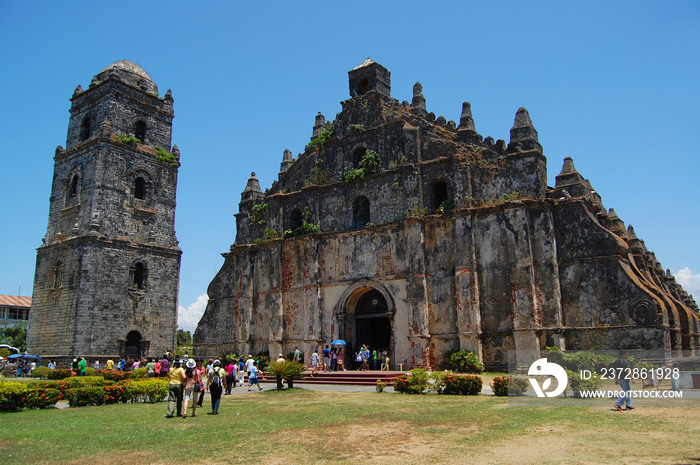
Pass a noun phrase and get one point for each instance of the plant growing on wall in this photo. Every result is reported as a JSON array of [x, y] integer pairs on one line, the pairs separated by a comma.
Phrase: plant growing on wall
[[167, 157], [322, 138], [128, 140], [370, 163]]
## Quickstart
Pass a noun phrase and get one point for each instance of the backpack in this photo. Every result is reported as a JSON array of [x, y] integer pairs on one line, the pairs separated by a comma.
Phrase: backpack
[[215, 378]]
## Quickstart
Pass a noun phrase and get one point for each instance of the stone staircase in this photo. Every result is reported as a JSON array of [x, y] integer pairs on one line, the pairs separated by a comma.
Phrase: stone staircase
[[350, 377]]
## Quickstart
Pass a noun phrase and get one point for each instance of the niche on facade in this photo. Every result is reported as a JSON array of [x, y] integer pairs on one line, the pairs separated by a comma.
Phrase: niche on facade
[[361, 212]]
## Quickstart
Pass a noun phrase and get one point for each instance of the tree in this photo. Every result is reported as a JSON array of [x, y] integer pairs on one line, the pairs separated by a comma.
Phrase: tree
[[183, 337], [15, 336], [288, 371]]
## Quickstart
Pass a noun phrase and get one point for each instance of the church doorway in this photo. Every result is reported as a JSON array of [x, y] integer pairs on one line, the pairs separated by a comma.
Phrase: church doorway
[[133, 345], [372, 323]]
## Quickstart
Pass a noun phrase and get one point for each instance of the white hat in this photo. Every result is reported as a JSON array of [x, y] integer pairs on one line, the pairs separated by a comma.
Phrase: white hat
[[190, 363]]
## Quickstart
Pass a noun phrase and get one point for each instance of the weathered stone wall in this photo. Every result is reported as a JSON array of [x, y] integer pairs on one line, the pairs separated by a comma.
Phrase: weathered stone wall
[[464, 246]]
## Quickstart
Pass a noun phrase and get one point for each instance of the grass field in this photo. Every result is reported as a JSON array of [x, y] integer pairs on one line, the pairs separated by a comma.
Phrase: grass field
[[315, 427]]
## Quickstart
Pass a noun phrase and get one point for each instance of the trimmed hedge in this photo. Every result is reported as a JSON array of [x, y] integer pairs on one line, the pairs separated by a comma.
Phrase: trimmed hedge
[[451, 384], [469, 385], [509, 386], [79, 391]]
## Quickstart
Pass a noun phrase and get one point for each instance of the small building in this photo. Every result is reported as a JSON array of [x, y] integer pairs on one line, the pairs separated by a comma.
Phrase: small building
[[14, 309]]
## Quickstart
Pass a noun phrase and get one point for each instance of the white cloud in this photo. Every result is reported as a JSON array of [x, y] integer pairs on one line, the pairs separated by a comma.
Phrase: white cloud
[[187, 318], [689, 281]]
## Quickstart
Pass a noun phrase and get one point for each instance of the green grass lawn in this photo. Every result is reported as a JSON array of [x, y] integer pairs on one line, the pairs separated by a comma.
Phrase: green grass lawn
[[304, 426]]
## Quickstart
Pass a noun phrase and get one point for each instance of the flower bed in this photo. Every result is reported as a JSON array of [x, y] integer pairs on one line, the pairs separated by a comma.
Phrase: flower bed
[[79, 391]]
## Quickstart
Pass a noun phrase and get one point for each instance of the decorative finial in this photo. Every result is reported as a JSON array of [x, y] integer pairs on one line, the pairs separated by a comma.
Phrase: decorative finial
[[523, 135], [466, 122], [418, 100]]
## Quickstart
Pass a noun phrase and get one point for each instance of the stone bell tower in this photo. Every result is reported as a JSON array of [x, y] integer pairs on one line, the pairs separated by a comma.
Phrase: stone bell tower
[[107, 275]]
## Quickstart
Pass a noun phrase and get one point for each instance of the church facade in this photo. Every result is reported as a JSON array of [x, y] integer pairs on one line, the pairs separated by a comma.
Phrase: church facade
[[107, 274], [410, 233]]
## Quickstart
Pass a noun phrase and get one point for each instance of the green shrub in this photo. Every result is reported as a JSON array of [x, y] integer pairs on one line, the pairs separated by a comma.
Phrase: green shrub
[[41, 397], [84, 396], [116, 393], [381, 385], [577, 384], [509, 386], [114, 375], [414, 383], [401, 384], [437, 379], [139, 373], [12, 396], [462, 361], [148, 390], [41, 372], [59, 373], [469, 385]]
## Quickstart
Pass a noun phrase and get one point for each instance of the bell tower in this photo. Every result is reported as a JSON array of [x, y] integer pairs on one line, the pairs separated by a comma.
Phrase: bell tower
[[107, 274]]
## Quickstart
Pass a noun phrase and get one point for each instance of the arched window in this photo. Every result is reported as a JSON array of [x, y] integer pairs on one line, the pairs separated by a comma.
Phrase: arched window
[[439, 193], [357, 156], [75, 180], [140, 188], [140, 131], [361, 214], [139, 275], [363, 86], [85, 129], [296, 220]]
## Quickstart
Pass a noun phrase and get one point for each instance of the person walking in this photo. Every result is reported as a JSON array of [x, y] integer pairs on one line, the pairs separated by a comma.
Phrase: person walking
[[253, 378], [229, 376], [201, 372], [240, 374], [177, 377], [326, 359], [622, 379], [314, 363], [216, 380], [188, 387]]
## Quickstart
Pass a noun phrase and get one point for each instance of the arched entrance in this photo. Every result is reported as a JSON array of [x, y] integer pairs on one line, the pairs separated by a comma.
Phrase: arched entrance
[[372, 324], [365, 315], [133, 345]]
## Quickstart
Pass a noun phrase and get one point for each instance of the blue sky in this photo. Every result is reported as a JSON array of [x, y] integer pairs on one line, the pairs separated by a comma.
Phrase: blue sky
[[614, 85]]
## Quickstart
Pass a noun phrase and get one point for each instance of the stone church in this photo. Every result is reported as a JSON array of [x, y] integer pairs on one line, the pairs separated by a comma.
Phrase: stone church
[[107, 273], [414, 234]]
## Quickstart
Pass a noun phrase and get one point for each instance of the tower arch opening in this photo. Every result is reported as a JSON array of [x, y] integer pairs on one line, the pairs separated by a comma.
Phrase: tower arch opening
[[133, 345]]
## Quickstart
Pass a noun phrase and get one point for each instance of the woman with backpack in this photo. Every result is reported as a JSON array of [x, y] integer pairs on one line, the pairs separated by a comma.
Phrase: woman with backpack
[[216, 381]]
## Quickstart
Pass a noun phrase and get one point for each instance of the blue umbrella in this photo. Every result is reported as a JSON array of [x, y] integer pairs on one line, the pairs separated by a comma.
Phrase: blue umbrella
[[15, 356], [338, 342]]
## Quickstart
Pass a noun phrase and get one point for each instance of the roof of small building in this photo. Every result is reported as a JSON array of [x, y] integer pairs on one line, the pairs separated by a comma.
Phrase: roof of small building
[[15, 301], [130, 73]]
